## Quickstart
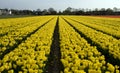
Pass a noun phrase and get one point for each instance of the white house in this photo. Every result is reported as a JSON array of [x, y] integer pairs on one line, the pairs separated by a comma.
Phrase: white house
[[0, 12], [5, 12]]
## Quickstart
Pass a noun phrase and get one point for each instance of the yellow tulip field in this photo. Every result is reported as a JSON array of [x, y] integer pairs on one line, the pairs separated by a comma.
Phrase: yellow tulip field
[[60, 44]]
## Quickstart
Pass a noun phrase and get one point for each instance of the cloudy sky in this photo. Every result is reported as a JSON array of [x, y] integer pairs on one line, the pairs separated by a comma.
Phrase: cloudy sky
[[58, 4]]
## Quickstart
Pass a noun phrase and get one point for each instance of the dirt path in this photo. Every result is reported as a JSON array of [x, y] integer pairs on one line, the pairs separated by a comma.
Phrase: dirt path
[[54, 64]]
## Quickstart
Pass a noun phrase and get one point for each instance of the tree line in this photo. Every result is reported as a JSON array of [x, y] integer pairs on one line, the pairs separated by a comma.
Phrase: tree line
[[67, 11]]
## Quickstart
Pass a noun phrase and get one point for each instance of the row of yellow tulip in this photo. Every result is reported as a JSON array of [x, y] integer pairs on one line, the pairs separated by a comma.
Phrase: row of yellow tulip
[[32, 54], [12, 39], [105, 42], [7, 25], [78, 56], [110, 30]]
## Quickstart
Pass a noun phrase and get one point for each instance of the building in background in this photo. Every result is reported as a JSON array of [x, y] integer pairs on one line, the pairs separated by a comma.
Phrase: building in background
[[5, 12]]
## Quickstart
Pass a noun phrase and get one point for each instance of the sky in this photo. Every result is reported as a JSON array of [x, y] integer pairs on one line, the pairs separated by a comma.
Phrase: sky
[[58, 4]]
